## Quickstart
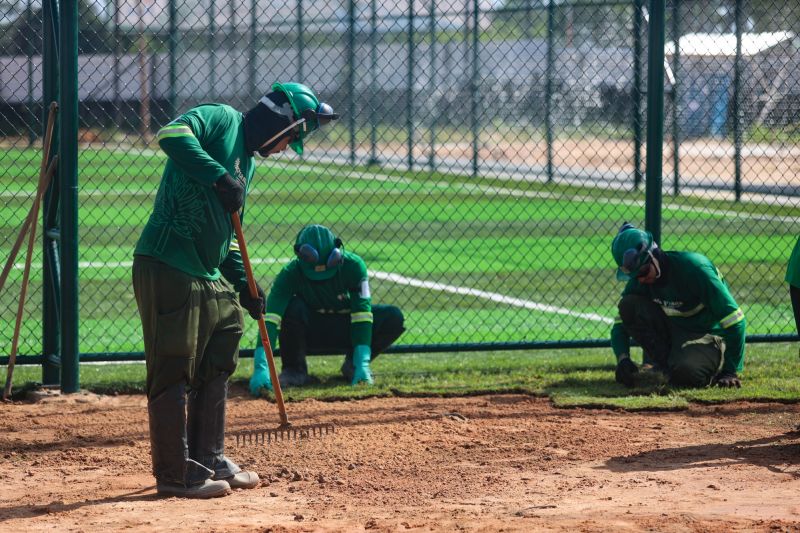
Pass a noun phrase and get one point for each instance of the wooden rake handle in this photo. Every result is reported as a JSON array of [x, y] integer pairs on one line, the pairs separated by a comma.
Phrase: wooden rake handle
[[262, 326], [45, 173]]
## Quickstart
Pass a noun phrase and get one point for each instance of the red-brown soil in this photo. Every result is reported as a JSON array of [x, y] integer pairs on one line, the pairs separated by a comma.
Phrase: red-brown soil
[[487, 463]]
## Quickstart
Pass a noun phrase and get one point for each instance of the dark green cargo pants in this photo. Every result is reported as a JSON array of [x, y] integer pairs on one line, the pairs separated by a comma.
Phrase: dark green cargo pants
[[191, 326], [690, 359]]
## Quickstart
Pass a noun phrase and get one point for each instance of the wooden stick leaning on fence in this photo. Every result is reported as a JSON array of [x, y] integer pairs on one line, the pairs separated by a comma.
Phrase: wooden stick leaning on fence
[[45, 175]]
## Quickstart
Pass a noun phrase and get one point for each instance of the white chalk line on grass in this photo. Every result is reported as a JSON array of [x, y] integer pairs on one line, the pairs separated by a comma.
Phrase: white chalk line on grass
[[492, 296], [401, 280]]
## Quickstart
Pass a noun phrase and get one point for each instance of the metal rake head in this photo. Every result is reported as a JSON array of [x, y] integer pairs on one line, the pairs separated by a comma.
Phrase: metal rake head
[[281, 433]]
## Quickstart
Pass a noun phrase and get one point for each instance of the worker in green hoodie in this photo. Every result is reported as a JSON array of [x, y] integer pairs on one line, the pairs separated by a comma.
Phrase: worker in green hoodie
[[678, 308], [190, 285]]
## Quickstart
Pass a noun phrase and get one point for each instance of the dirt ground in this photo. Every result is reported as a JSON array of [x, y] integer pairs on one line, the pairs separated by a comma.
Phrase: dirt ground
[[484, 463]]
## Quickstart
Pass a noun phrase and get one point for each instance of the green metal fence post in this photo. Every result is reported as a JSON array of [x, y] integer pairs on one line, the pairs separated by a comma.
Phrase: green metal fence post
[[475, 123], [51, 279], [676, 60], [68, 165], [655, 118], [373, 84], [117, 58], [301, 44], [636, 109], [351, 77], [252, 54], [410, 90], [737, 108], [212, 54], [30, 50], [173, 61], [433, 82], [548, 89]]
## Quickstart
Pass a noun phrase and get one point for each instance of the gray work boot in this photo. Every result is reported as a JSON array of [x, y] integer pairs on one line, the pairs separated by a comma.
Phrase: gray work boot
[[176, 474], [207, 435], [207, 489], [244, 479]]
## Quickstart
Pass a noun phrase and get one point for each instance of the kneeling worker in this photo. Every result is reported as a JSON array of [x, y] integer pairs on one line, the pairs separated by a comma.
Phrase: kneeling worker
[[679, 310], [320, 302]]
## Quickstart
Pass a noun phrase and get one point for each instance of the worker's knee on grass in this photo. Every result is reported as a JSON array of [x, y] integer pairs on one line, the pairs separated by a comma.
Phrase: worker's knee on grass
[[688, 375]]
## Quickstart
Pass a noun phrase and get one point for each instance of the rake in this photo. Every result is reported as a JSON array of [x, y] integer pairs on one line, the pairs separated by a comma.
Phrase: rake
[[286, 431], [45, 175]]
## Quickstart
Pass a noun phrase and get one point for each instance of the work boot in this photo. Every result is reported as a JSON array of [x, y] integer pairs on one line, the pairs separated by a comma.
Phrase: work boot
[[245, 479], [207, 489], [295, 378], [174, 471], [207, 434]]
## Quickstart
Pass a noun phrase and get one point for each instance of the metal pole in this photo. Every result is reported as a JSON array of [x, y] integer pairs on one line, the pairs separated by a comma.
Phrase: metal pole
[[30, 50], [173, 60], [301, 44], [548, 89], [117, 59], [655, 118], [636, 109], [737, 108], [212, 53], [373, 82], [68, 172], [474, 87], [410, 90], [51, 286], [351, 77], [433, 84], [252, 54], [676, 61]]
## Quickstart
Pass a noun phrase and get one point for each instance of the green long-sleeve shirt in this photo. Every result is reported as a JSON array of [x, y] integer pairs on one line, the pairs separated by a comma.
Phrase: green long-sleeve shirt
[[189, 229], [346, 292], [696, 298]]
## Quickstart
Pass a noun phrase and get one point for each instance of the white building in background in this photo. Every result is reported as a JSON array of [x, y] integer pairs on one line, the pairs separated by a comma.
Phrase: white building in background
[[317, 15]]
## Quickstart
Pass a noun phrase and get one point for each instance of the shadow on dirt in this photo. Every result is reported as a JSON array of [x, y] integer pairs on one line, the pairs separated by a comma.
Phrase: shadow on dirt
[[58, 507], [779, 454]]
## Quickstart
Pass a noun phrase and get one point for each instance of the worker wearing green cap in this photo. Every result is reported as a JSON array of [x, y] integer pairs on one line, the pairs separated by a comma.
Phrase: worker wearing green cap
[[320, 302], [679, 309]]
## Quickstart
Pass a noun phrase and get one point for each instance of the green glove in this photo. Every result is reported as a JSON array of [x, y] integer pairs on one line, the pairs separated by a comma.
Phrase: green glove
[[260, 380], [361, 372]]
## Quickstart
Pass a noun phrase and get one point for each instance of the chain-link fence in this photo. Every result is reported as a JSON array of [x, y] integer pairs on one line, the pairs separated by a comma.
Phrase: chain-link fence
[[487, 151]]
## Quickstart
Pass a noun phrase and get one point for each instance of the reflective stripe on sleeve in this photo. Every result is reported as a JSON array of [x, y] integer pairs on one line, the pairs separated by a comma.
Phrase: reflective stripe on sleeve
[[175, 130], [733, 318], [361, 317], [273, 318]]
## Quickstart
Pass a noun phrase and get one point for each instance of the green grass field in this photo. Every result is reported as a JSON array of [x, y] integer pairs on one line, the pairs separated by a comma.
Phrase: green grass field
[[570, 378], [468, 260]]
